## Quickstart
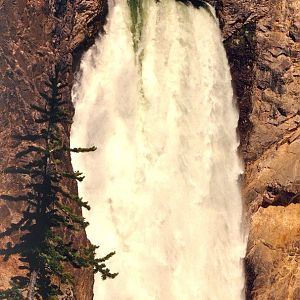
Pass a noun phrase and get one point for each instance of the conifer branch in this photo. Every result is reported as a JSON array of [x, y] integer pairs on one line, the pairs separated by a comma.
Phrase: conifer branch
[[42, 250]]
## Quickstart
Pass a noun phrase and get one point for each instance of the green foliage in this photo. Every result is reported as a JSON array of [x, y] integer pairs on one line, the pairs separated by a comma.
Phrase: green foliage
[[12, 293], [42, 249]]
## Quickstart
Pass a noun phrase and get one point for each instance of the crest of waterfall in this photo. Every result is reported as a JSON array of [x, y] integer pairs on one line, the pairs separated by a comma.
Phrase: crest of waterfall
[[154, 95]]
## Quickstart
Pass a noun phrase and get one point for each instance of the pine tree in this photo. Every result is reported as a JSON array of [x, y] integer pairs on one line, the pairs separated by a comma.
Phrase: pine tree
[[42, 248]]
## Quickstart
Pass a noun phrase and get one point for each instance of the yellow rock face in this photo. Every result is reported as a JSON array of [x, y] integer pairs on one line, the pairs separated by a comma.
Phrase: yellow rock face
[[274, 253]]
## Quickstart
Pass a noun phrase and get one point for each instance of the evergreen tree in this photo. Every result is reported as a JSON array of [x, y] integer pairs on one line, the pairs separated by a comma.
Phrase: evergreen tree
[[42, 248]]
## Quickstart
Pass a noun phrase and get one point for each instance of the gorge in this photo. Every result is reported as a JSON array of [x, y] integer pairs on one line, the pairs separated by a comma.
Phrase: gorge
[[262, 41]]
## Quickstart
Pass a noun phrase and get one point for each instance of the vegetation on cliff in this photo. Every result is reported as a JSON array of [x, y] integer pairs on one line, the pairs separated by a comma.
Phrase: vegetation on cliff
[[44, 249]]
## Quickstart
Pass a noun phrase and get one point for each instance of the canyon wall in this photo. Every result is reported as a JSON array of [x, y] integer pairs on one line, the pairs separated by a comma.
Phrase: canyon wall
[[262, 39], [35, 35]]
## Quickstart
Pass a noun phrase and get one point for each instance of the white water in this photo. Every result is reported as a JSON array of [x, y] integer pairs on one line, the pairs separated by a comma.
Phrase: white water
[[163, 183]]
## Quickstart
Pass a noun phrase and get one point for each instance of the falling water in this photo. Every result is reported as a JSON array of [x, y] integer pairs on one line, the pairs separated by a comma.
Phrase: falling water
[[154, 94]]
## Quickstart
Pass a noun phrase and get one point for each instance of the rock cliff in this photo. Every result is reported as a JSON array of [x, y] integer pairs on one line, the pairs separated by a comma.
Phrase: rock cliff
[[35, 34], [262, 39]]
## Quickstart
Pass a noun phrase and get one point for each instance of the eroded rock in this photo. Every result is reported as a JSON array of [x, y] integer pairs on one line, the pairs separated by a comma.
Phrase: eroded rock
[[273, 257], [262, 43], [35, 35]]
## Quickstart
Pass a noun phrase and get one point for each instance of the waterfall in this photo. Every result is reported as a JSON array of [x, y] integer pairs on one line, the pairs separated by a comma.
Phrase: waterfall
[[154, 95]]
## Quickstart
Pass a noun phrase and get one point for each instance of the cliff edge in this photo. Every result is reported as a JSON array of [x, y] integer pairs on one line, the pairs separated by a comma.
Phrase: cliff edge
[[35, 35], [262, 39]]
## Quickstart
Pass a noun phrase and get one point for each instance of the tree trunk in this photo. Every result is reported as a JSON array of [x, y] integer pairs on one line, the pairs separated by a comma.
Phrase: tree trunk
[[32, 283]]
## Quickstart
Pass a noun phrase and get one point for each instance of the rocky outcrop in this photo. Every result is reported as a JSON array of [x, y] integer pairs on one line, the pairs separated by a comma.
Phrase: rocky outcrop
[[34, 35], [88, 22], [90, 16], [263, 46], [273, 253]]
